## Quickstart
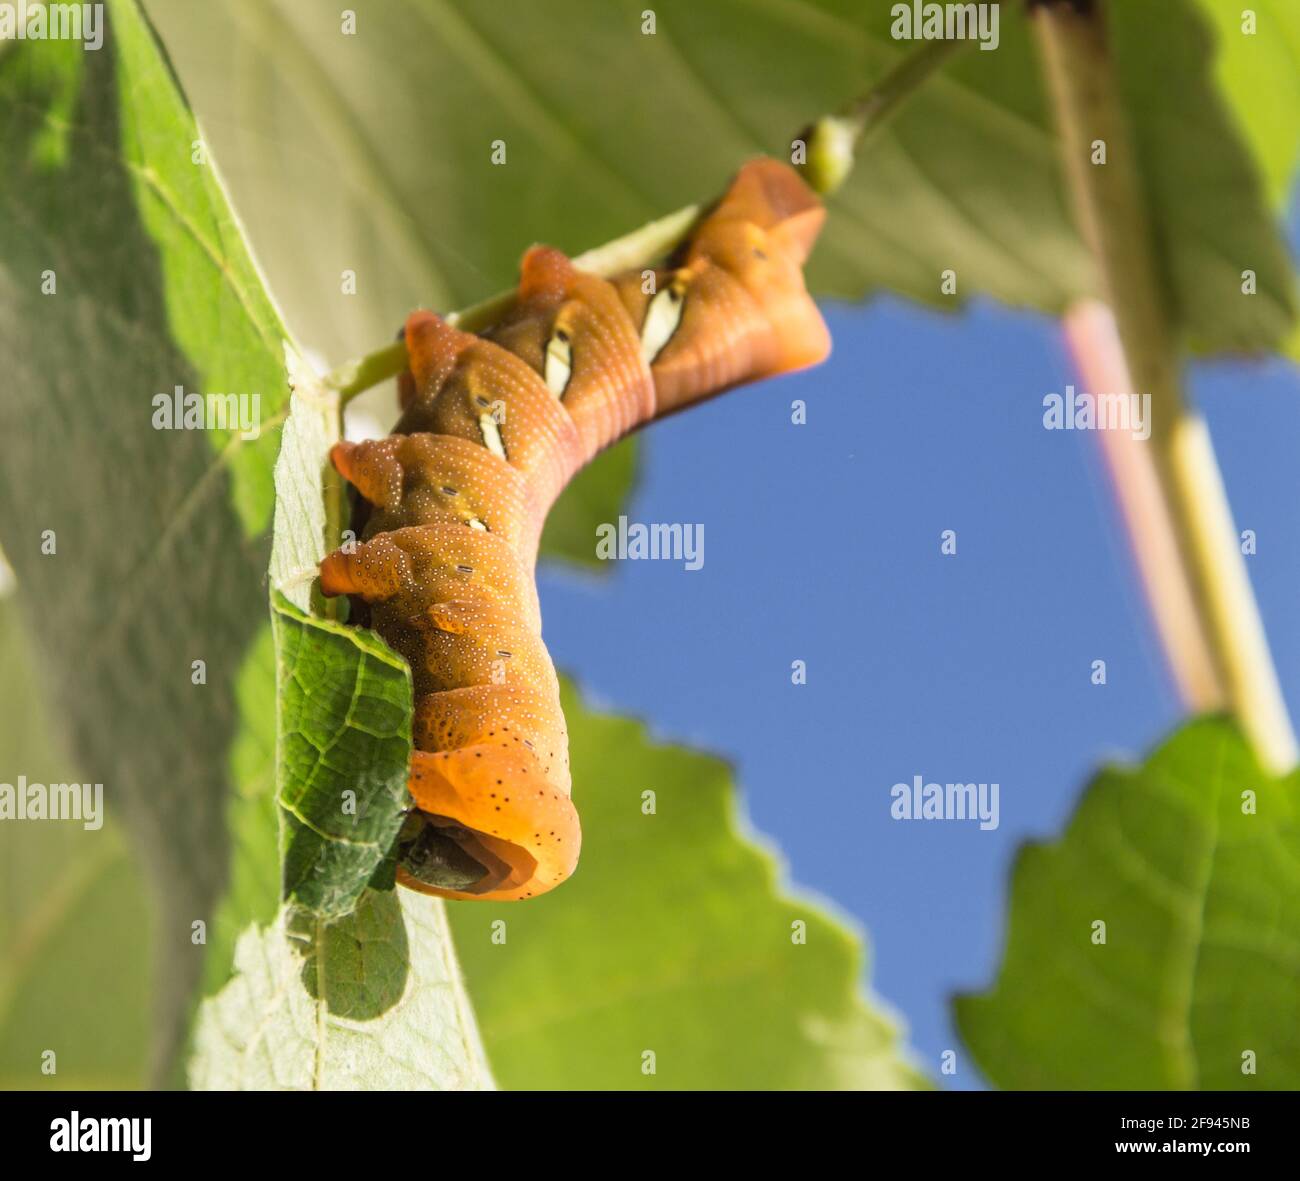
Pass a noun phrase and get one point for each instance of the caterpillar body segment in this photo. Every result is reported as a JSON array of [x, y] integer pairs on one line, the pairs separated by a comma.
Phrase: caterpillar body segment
[[453, 503]]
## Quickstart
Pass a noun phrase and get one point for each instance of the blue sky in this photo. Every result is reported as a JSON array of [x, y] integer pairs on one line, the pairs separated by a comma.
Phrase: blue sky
[[822, 544]]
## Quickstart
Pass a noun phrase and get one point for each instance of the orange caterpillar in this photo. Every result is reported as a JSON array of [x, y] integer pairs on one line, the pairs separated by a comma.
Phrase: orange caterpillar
[[454, 500]]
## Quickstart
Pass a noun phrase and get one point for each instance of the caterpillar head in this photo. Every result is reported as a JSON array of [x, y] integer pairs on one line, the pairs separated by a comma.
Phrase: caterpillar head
[[490, 826]]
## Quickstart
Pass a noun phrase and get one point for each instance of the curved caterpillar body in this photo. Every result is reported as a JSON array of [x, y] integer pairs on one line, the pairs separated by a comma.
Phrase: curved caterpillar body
[[452, 506]]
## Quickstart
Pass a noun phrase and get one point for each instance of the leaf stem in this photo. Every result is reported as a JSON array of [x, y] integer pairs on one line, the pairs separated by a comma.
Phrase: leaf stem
[[833, 140], [1112, 219], [354, 377], [1094, 343]]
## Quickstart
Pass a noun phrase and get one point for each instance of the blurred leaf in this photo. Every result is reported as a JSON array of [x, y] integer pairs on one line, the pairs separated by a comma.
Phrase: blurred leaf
[[1201, 904], [364, 1022], [69, 896], [252, 893], [1206, 200], [345, 745], [386, 135], [161, 546], [1258, 75], [673, 938], [1257, 72]]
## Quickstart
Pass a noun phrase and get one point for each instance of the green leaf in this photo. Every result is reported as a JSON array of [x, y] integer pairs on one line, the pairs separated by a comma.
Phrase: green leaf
[[69, 897], [1206, 199], [1258, 76], [1192, 862], [252, 891], [370, 1002], [159, 535], [344, 712], [610, 127], [348, 987], [345, 745], [672, 938]]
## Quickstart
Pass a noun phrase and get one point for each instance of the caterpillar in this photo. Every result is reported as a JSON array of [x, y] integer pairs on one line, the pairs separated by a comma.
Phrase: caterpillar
[[450, 506]]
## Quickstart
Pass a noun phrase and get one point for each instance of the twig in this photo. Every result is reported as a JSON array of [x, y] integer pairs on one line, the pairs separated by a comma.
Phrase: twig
[[834, 140], [1112, 219]]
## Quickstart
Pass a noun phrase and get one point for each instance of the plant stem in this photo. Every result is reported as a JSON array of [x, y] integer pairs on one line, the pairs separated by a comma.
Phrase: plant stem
[[1099, 357], [872, 110], [833, 141], [1112, 220], [354, 377]]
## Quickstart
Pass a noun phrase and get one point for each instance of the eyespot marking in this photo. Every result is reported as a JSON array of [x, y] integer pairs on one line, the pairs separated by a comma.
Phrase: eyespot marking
[[557, 368], [662, 319], [491, 433]]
